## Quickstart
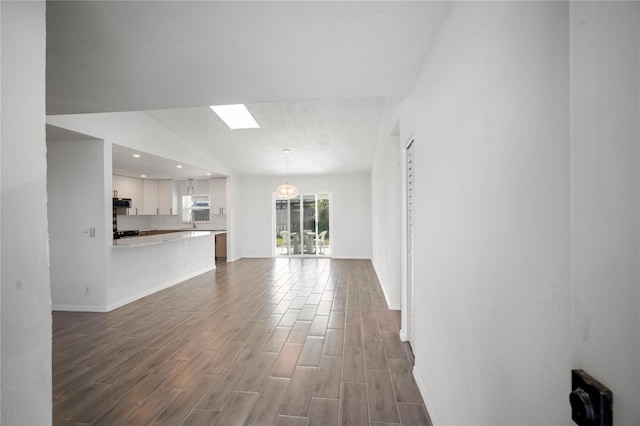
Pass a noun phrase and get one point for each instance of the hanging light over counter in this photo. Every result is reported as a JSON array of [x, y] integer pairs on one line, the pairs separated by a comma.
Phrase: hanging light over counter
[[287, 191]]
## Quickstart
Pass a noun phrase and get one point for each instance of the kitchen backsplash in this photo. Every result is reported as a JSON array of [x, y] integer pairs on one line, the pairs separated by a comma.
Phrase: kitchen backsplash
[[219, 221], [133, 222]]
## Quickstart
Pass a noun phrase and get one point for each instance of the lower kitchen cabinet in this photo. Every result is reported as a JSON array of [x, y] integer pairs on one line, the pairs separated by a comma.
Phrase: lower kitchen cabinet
[[221, 246]]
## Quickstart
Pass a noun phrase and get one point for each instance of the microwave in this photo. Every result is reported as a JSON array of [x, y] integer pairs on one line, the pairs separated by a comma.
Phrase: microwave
[[122, 202]]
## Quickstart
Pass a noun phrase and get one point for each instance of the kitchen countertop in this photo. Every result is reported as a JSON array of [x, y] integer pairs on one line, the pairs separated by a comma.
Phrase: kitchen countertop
[[186, 228], [148, 240]]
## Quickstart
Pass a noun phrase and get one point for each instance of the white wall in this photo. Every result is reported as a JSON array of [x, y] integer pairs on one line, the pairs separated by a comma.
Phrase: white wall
[[350, 213], [386, 200], [76, 191], [162, 221], [25, 376], [604, 198], [490, 120]]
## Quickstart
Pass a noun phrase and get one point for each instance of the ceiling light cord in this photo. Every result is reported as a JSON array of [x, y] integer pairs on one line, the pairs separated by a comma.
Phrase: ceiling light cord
[[287, 162]]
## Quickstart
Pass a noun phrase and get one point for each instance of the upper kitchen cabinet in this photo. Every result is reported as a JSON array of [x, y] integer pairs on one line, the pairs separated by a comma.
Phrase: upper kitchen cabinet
[[160, 197], [218, 188], [149, 196], [128, 187], [167, 197]]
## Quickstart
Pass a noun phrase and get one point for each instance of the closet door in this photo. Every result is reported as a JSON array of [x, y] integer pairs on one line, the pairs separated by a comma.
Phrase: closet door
[[410, 246]]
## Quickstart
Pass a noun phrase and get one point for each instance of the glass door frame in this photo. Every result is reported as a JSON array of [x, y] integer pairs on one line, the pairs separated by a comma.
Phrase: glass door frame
[[300, 241]]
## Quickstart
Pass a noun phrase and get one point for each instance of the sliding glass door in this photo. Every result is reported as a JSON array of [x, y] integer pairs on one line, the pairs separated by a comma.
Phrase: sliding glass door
[[302, 225]]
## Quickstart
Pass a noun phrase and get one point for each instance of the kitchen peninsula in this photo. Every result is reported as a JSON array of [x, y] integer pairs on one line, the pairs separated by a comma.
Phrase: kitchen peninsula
[[143, 265], [161, 238]]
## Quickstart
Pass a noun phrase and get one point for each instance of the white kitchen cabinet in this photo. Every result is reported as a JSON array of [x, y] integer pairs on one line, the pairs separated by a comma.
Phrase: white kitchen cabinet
[[128, 187], [218, 194], [167, 197], [136, 196], [149, 196]]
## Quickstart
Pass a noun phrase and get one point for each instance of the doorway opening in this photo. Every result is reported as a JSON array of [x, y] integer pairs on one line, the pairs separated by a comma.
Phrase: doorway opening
[[302, 226]]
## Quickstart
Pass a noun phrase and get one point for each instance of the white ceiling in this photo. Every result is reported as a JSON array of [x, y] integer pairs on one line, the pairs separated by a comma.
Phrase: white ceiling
[[154, 167], [125, 164], [315, 74], [325, 137]]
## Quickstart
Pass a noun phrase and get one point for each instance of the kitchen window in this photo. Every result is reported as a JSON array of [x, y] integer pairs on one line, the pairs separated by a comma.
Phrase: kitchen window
[[195, 208]]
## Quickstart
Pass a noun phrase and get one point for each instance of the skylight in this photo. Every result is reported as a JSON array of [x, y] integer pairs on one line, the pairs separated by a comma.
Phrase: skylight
[[235, 116]]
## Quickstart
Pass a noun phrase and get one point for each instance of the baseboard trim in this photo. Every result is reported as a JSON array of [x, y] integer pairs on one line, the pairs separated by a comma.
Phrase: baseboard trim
[[403, 336], [394, 306], [77, 308], [425, 396], [390, 306], [149, 292]]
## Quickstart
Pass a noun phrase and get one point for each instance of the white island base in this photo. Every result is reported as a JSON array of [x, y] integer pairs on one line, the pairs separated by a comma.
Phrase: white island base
[[140, 266]]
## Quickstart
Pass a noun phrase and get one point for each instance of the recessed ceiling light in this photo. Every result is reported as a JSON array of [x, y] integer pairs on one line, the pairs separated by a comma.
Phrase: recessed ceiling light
[[179, 166], [136, 155], [235, 116], [208, 174], [143, 175]]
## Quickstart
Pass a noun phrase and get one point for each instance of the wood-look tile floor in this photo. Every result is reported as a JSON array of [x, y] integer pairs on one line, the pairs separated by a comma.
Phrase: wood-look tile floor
[[255, 342]]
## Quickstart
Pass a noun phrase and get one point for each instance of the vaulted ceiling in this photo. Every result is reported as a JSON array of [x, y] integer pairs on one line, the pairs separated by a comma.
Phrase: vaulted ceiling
[[315, 74]]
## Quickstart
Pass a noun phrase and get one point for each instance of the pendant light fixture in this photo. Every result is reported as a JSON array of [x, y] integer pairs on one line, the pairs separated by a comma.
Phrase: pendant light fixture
[[190, 187], [286, 190]]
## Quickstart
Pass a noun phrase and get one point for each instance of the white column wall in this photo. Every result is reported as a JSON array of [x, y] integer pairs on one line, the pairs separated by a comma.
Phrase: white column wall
[[490, 118], [76, 189], [25, 377], [604, 198]]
